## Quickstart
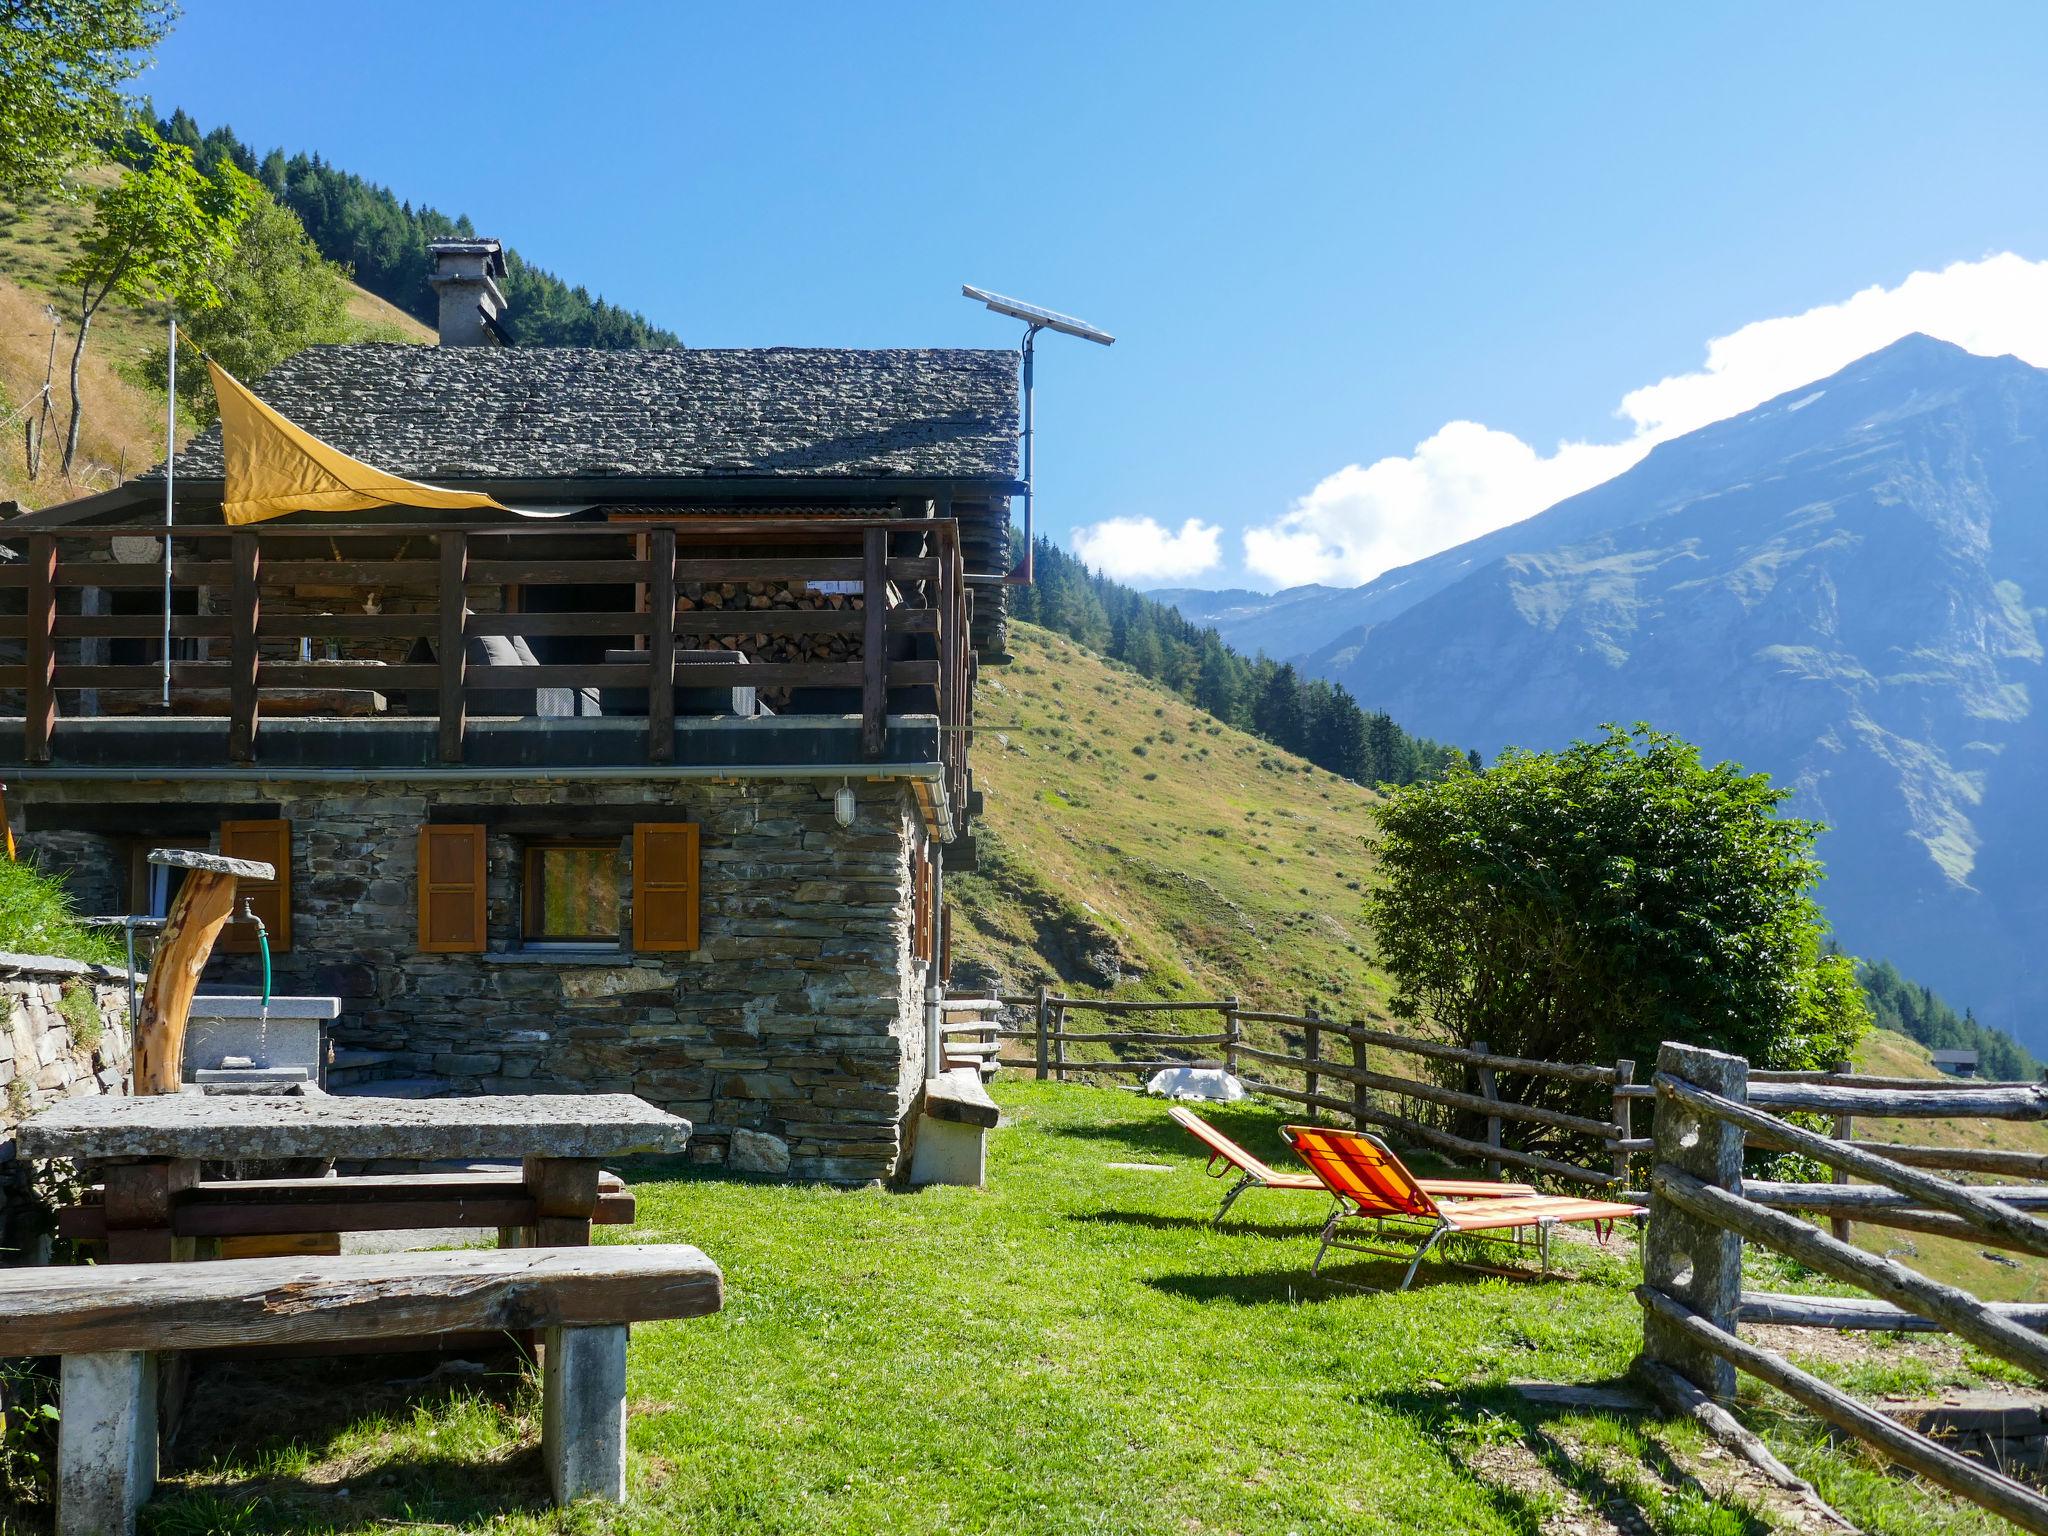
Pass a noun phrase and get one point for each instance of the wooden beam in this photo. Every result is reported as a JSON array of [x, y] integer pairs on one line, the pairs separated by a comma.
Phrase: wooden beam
[[204, 903], [243, 611], [453, 655], [661, 603], [62, 1310], [874, 687], [1961, 1313], [40, 710]]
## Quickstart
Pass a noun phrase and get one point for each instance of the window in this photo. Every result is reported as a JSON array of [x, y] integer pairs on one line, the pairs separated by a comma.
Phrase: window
[[151, 887], [572, 894]]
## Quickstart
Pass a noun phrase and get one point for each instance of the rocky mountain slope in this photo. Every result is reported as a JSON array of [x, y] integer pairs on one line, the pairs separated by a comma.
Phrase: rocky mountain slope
[[1843, 587]]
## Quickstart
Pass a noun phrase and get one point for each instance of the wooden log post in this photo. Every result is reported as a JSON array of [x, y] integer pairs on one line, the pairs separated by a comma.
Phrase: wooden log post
[[1844, 1130], [1059, 1042], [1312, 1049], [1624, 1118], [661, 651], [453, 641], [1044, 1030], [1233, 1034], [1489, 1088], [874, 657], [243, 613], [1695, 1261], [1361, 1104], [204, 903], [39, 711]]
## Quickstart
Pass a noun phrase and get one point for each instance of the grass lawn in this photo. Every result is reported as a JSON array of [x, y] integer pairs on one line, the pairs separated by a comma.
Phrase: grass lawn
[[1073, 1350]]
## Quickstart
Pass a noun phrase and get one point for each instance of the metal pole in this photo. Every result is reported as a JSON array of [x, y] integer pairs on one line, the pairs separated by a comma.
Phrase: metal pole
[[170, 476], [1022, 574]]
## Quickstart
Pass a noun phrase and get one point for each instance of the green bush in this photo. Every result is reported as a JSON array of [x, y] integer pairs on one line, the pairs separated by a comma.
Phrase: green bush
[[37, 918], [1588, 904]]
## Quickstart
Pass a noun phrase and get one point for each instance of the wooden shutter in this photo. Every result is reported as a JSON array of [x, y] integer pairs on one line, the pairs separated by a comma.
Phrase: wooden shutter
[[452, 889], [665, 885], [267, 842]]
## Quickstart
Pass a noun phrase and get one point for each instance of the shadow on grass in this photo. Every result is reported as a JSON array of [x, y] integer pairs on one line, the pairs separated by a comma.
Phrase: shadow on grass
[[279, 1424], [1636, 1484], [1232, 1226]]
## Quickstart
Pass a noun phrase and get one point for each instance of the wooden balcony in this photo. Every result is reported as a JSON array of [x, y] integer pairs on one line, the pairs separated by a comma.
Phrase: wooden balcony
[[282, 625]]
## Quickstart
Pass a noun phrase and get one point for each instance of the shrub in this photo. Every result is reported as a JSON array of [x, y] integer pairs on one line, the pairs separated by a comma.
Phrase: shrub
[[1588, 904]]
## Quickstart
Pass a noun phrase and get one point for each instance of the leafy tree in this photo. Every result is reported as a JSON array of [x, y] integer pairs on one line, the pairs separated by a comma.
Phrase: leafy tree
[[62, 66], [1589, 904], [163, 233], [277, 297]]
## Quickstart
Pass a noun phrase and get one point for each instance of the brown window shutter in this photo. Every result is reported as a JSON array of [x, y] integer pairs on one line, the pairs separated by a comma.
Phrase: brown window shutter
[[946, 941], [267, 842], [665, 868], [452, 889]]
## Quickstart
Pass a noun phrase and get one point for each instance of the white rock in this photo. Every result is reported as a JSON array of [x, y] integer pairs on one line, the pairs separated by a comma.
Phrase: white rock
[[757, 1152], [1197, 1083]]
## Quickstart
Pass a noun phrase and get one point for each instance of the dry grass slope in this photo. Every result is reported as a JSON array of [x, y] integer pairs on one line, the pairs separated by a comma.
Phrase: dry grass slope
[[1134, 845], [124, 417]]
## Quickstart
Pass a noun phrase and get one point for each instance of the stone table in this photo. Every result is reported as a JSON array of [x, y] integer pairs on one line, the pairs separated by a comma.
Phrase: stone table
[[150, 1148]]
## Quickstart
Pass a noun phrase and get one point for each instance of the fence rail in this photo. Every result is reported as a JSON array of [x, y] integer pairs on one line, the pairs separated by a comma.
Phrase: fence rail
[[1701, 1213]]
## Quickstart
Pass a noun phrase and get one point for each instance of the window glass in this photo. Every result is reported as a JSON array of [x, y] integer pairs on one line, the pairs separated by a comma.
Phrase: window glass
[[572, 893]]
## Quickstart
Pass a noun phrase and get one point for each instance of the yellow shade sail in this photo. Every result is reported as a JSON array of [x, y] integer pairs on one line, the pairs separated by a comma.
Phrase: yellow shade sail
[[275, 467]]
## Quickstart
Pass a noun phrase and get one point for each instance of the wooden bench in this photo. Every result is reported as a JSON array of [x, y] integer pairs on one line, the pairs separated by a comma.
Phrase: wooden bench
[[232, 1208], [109, 1324]]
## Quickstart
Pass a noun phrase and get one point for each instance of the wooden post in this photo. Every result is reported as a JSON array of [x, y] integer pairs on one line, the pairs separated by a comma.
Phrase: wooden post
[[453, 640], [1044, 1029], [1844, 1130], [1359, 1102], [1059, 1044], [1488, 1089], [661, 650], [1233, 1030], [204, 903], [40, 706], [244, 605], [1312, 1046], [1624, 1117], [1695, 1261], [874, 659]]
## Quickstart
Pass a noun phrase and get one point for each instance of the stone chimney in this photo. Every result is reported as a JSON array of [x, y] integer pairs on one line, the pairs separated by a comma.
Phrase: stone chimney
[[464, 273]]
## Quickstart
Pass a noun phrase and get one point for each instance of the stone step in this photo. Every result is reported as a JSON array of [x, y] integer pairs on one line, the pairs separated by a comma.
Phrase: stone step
[[351, 1057], [394, 1088]]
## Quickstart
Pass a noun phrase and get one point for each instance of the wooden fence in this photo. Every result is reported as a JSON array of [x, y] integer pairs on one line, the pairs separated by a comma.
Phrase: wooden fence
[[1701, 1212], [1350, 1086]]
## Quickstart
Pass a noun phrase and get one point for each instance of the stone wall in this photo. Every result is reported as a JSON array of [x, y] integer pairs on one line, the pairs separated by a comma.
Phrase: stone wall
[[65, 1035], [792, 1039]]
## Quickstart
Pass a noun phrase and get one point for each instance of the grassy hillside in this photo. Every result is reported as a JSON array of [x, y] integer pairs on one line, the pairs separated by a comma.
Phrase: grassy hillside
[[1134, 845], [1991, 1274], [124, 417]]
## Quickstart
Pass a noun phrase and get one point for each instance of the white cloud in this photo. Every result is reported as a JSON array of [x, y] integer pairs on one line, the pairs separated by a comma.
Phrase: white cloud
[[1139, 550], [1468, 479]]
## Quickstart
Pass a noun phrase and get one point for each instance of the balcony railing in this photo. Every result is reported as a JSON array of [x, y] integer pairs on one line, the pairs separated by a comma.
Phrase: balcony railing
[[246, 589]]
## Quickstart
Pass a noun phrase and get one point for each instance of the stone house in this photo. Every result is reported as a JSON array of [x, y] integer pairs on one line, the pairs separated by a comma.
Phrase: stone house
[[647, 782]]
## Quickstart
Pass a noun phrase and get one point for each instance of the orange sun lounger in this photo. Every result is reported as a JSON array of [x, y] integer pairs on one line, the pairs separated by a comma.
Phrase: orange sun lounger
[[1225, 1154], [1368, 1181]]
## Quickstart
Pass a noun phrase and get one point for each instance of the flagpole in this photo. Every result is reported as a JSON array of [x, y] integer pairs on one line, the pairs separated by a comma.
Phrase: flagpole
[[170, 513]]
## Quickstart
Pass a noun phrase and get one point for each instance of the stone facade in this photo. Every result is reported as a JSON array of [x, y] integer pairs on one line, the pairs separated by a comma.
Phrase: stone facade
[[65, 1035], [792, 1038]]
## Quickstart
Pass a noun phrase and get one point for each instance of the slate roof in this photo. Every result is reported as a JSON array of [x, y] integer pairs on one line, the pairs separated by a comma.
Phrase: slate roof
[[521, 413]]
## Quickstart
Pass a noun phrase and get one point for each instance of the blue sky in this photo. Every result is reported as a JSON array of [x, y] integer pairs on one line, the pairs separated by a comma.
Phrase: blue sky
[[1320, 233]]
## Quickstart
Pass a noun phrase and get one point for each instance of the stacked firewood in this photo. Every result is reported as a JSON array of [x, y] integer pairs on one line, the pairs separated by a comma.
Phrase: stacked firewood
[[759, 647]]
